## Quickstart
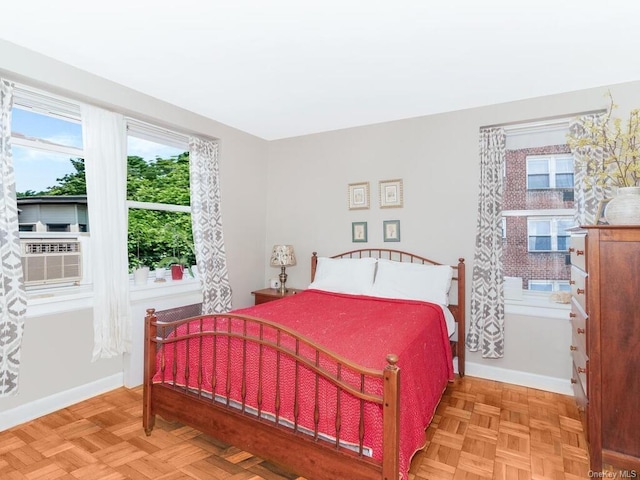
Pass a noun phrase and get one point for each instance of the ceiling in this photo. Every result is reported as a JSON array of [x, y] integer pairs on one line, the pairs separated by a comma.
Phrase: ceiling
[[282, 68]]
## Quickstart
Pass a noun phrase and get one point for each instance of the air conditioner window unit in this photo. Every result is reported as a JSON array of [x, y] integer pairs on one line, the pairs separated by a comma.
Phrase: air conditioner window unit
[[50, 261]]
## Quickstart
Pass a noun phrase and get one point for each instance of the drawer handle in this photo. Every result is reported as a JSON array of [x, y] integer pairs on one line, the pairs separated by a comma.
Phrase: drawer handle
[[580, 291], [580, 330], [572, 315], [573, 380], [580, 252], [582, 370], [571, 249], [573, 348], [572, 282]]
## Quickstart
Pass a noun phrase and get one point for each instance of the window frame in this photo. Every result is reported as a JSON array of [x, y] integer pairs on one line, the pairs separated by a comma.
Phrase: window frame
[[554, 220], [163, 136], [552, 170]]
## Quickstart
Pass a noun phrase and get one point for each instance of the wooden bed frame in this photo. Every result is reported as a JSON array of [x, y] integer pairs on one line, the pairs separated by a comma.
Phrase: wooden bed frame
[[298, 452]]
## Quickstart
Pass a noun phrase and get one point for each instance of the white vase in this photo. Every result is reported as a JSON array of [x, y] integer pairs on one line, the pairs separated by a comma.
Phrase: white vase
[[624, 208]]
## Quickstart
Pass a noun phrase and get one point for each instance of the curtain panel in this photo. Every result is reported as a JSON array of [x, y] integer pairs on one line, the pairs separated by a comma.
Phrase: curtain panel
[[486, 329], [587, 198], [13, 297], [206, 220], [105, 146]]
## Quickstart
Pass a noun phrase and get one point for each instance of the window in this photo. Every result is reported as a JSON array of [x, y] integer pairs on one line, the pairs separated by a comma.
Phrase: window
[[549, 171], [548, 234], [536, 208], [48, 161], [549, 285], [58, 227], [158, 196]]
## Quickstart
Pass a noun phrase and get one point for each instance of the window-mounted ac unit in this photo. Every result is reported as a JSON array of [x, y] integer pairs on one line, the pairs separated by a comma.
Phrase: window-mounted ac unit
[[50, 261]]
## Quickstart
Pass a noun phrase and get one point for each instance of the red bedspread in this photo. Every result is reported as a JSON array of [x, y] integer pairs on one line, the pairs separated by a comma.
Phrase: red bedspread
[[361, 329]]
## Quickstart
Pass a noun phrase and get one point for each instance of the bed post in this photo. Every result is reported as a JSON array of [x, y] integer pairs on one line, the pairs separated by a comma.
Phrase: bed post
[[314, 265], [391, 420], [462, 316], [150, 331]]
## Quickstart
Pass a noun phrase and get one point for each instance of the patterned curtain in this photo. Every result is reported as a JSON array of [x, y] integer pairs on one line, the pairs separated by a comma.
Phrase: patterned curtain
[[587, 198], [486, 329], [206, 219], [105, 146], [13, 298]]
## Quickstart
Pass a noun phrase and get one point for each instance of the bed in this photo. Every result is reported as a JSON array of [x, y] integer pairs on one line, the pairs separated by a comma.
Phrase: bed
[[263, 378]]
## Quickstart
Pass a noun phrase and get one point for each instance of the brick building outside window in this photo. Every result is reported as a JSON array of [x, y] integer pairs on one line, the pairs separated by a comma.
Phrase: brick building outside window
[[537, 205]]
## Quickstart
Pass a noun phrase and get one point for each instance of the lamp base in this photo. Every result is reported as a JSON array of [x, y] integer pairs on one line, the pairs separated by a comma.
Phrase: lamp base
[[283, 280]]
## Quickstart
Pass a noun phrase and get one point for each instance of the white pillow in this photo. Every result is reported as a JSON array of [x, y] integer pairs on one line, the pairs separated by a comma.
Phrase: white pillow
[[413, 281], [344, 275]]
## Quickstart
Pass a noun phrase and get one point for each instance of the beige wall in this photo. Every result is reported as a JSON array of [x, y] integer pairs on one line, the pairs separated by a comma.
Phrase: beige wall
[[437, 158], [66, 340]]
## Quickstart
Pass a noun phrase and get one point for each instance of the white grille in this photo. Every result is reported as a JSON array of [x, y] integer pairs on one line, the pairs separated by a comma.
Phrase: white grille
[[51, 261]]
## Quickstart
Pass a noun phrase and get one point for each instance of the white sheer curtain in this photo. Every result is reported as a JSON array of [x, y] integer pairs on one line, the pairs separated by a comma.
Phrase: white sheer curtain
[[486, 328], [206, 220], [13, 298], [105, 146]]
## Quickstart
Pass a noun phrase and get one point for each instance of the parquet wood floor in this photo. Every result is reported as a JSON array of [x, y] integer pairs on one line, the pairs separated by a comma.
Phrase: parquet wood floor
[[482, 429]]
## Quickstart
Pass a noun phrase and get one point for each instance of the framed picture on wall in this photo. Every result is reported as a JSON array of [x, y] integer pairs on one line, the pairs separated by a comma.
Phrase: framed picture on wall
[[391, 230], [391, 193], [359, 196], [359, 232]]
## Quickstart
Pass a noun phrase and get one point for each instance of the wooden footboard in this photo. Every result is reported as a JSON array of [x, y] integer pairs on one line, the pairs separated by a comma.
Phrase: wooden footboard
[[247, 426]]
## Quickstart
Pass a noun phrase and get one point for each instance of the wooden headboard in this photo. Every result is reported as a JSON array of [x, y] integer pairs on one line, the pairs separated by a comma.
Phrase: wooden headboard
[[457, 309]]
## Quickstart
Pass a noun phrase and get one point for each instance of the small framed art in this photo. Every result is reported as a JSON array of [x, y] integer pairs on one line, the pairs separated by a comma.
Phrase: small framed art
[[359, 232], [359, 196], [391, 230], [600, 218], [391, 193]]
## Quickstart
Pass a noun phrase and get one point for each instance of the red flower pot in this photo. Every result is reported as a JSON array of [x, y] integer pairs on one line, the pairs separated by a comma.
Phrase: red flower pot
[[177, 271]]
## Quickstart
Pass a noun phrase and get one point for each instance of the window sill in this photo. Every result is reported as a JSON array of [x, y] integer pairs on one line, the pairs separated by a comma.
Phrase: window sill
[[537, 305], [53, 301], [153, 289]]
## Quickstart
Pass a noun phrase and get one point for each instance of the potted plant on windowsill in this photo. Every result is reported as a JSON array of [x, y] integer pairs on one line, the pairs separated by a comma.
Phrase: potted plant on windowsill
[[611, 162], [177, 265]]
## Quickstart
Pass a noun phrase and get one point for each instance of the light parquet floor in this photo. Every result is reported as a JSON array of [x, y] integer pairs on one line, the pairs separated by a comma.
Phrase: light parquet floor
[[482, 430]]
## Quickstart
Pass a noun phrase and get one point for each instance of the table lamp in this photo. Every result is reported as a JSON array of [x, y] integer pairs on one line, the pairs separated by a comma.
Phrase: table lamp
[[283, 256]]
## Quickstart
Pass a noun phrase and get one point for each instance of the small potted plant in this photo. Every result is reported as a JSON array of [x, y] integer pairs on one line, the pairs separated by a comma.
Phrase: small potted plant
[[177, 266]]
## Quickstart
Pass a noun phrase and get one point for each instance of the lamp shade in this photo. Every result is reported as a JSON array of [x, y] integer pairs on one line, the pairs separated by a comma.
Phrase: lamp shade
[[282, 255]]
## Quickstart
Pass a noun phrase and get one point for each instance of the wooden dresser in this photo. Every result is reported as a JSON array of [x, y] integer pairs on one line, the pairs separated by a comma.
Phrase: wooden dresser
[[605, 321]]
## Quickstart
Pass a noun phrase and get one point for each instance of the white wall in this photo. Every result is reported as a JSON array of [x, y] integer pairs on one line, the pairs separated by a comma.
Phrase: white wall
[[437, 158], [65, 341]]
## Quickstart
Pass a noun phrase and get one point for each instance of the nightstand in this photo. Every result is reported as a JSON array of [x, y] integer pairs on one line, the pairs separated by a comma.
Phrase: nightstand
[[270, 294]]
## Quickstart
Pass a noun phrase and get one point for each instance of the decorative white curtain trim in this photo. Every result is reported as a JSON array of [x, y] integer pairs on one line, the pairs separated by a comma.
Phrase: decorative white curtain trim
[[206, 219], [486, 328], [104, 136], [13, 298], [586, 198]]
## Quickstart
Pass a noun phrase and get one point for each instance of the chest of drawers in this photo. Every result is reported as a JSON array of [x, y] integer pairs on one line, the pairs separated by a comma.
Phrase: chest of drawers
[[605, 347]]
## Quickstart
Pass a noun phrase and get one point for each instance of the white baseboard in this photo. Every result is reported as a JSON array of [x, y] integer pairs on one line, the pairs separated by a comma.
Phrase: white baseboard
[[525, 379], [38, 408]]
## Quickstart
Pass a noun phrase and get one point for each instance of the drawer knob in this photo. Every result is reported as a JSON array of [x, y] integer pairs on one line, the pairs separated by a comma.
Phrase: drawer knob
[[573, 348], [571, 249], [572, 282], [572, 315], [580, 330], [582, 370], [580, 291], [573, 380], [580, 252]]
